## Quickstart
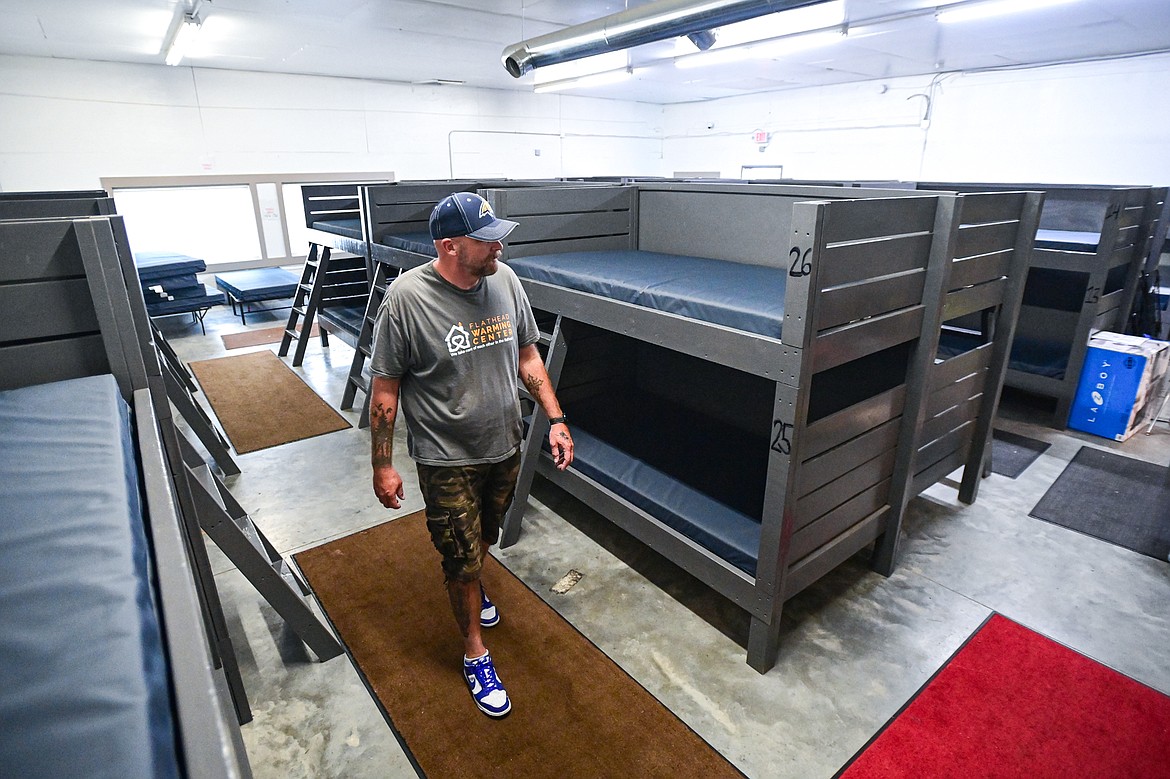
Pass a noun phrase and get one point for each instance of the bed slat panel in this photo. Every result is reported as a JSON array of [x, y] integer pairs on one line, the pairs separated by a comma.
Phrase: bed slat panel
[[840, 519], [1122, 255], [981, 208], [951, 370], [824, 499], [818, 471], [985, 239], [972, 299], [22, 264], [402, 213], [945, 450], [951, 419], [1106, 320], [561, 227], [47, 309], [954, 394], [566, 200], [865, 219], [418, 193], [975, 270], [813, 566], [1058, 259], [939, 470], [45, 361], [859, 301], [855, 340], [846, 263], [838, 428]]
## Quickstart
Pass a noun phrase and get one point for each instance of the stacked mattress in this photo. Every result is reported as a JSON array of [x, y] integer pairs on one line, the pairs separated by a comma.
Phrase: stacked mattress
[[170, 284]]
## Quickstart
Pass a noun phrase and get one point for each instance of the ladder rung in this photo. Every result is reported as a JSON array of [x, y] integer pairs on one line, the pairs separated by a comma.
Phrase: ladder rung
[[300, 311], [306, 287], [366, 350]]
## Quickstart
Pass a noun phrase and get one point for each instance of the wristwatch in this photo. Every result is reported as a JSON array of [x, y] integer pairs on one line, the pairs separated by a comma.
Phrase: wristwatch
[[561, 420]]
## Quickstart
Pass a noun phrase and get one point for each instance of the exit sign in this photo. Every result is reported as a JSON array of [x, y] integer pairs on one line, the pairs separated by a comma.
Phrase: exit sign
[[760, 136]]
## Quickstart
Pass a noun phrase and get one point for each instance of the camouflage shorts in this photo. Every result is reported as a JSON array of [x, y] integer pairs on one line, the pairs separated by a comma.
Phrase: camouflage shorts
[[465, 505]]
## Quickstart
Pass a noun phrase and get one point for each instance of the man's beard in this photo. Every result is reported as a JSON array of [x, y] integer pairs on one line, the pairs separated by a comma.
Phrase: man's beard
[[486, 267]]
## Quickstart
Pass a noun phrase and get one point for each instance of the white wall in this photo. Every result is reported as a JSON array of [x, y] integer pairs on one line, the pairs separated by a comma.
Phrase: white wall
[[1106, 122], [64, 124]]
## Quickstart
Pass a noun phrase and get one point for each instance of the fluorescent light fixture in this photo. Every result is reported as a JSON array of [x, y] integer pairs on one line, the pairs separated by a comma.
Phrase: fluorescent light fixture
[[587, 66], [772, 49], [184, 36], [971, 11], [775, 25], [592, 80]]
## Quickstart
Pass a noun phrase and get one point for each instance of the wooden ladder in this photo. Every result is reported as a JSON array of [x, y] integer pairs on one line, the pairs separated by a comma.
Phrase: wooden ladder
[[306, 303], [358, 379]]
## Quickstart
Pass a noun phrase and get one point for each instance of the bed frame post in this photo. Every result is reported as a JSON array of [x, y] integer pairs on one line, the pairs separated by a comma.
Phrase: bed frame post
[[943, 240], [530, 446], [1088, 313], [1002, 332], [789, 419]]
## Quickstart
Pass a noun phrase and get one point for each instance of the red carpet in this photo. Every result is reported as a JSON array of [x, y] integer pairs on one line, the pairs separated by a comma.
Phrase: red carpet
[[1012, 703]]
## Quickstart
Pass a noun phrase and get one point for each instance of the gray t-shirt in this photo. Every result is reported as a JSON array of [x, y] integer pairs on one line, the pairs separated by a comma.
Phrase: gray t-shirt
[[457, 354]]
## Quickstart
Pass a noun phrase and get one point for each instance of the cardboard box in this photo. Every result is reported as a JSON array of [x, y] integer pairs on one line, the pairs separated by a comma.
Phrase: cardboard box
[[1121, 386]]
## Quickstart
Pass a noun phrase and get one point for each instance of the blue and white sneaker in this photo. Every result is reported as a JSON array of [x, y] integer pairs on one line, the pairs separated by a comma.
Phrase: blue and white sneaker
[[489, 615], [486, 688]]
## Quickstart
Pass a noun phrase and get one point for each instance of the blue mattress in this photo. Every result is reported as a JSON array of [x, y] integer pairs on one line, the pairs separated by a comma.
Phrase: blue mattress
[[643, 447], [350, 228], [732, 536], [258, 284], [1067, 240], [86, 684], [184, 305], [183, 281], [742, 297], [419, 243], [162, 265], [157, 294]]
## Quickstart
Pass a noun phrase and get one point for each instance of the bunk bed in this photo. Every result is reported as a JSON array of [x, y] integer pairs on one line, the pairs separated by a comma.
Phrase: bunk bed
[[331, 289], [745, 365], [105, 621], [1091, 249]]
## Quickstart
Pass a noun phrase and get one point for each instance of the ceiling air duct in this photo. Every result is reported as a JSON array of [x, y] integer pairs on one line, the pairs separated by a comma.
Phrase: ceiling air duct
[[653, 22]]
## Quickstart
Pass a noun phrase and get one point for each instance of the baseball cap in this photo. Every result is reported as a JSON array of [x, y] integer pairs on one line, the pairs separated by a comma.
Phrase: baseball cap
[[466, 213]]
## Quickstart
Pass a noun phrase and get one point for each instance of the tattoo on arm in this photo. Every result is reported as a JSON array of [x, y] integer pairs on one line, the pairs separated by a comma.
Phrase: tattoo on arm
[[382, 435], [533, 383], [563, 435]]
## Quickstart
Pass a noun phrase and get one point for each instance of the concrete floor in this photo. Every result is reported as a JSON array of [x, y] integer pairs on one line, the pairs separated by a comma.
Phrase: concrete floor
[[855, 646]]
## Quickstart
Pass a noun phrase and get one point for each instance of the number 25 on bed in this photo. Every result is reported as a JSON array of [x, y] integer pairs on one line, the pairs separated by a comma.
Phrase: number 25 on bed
[[780, 442]]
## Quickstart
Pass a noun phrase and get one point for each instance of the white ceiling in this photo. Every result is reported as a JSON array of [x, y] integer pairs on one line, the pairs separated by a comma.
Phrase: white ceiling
[[461, 40]]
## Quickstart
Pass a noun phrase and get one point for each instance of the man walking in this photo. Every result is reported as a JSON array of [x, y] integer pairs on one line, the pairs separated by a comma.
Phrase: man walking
[[451, 340]]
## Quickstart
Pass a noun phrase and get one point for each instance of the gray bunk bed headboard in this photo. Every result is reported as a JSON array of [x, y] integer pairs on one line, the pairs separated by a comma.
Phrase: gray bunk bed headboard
[[67, 290]]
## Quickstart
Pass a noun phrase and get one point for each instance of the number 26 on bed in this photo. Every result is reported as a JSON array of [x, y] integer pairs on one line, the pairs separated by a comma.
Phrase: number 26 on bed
[[801, 266]]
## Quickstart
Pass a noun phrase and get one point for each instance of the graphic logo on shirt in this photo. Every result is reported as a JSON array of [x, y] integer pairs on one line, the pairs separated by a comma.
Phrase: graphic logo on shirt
[[458, 340], [492, 331]]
